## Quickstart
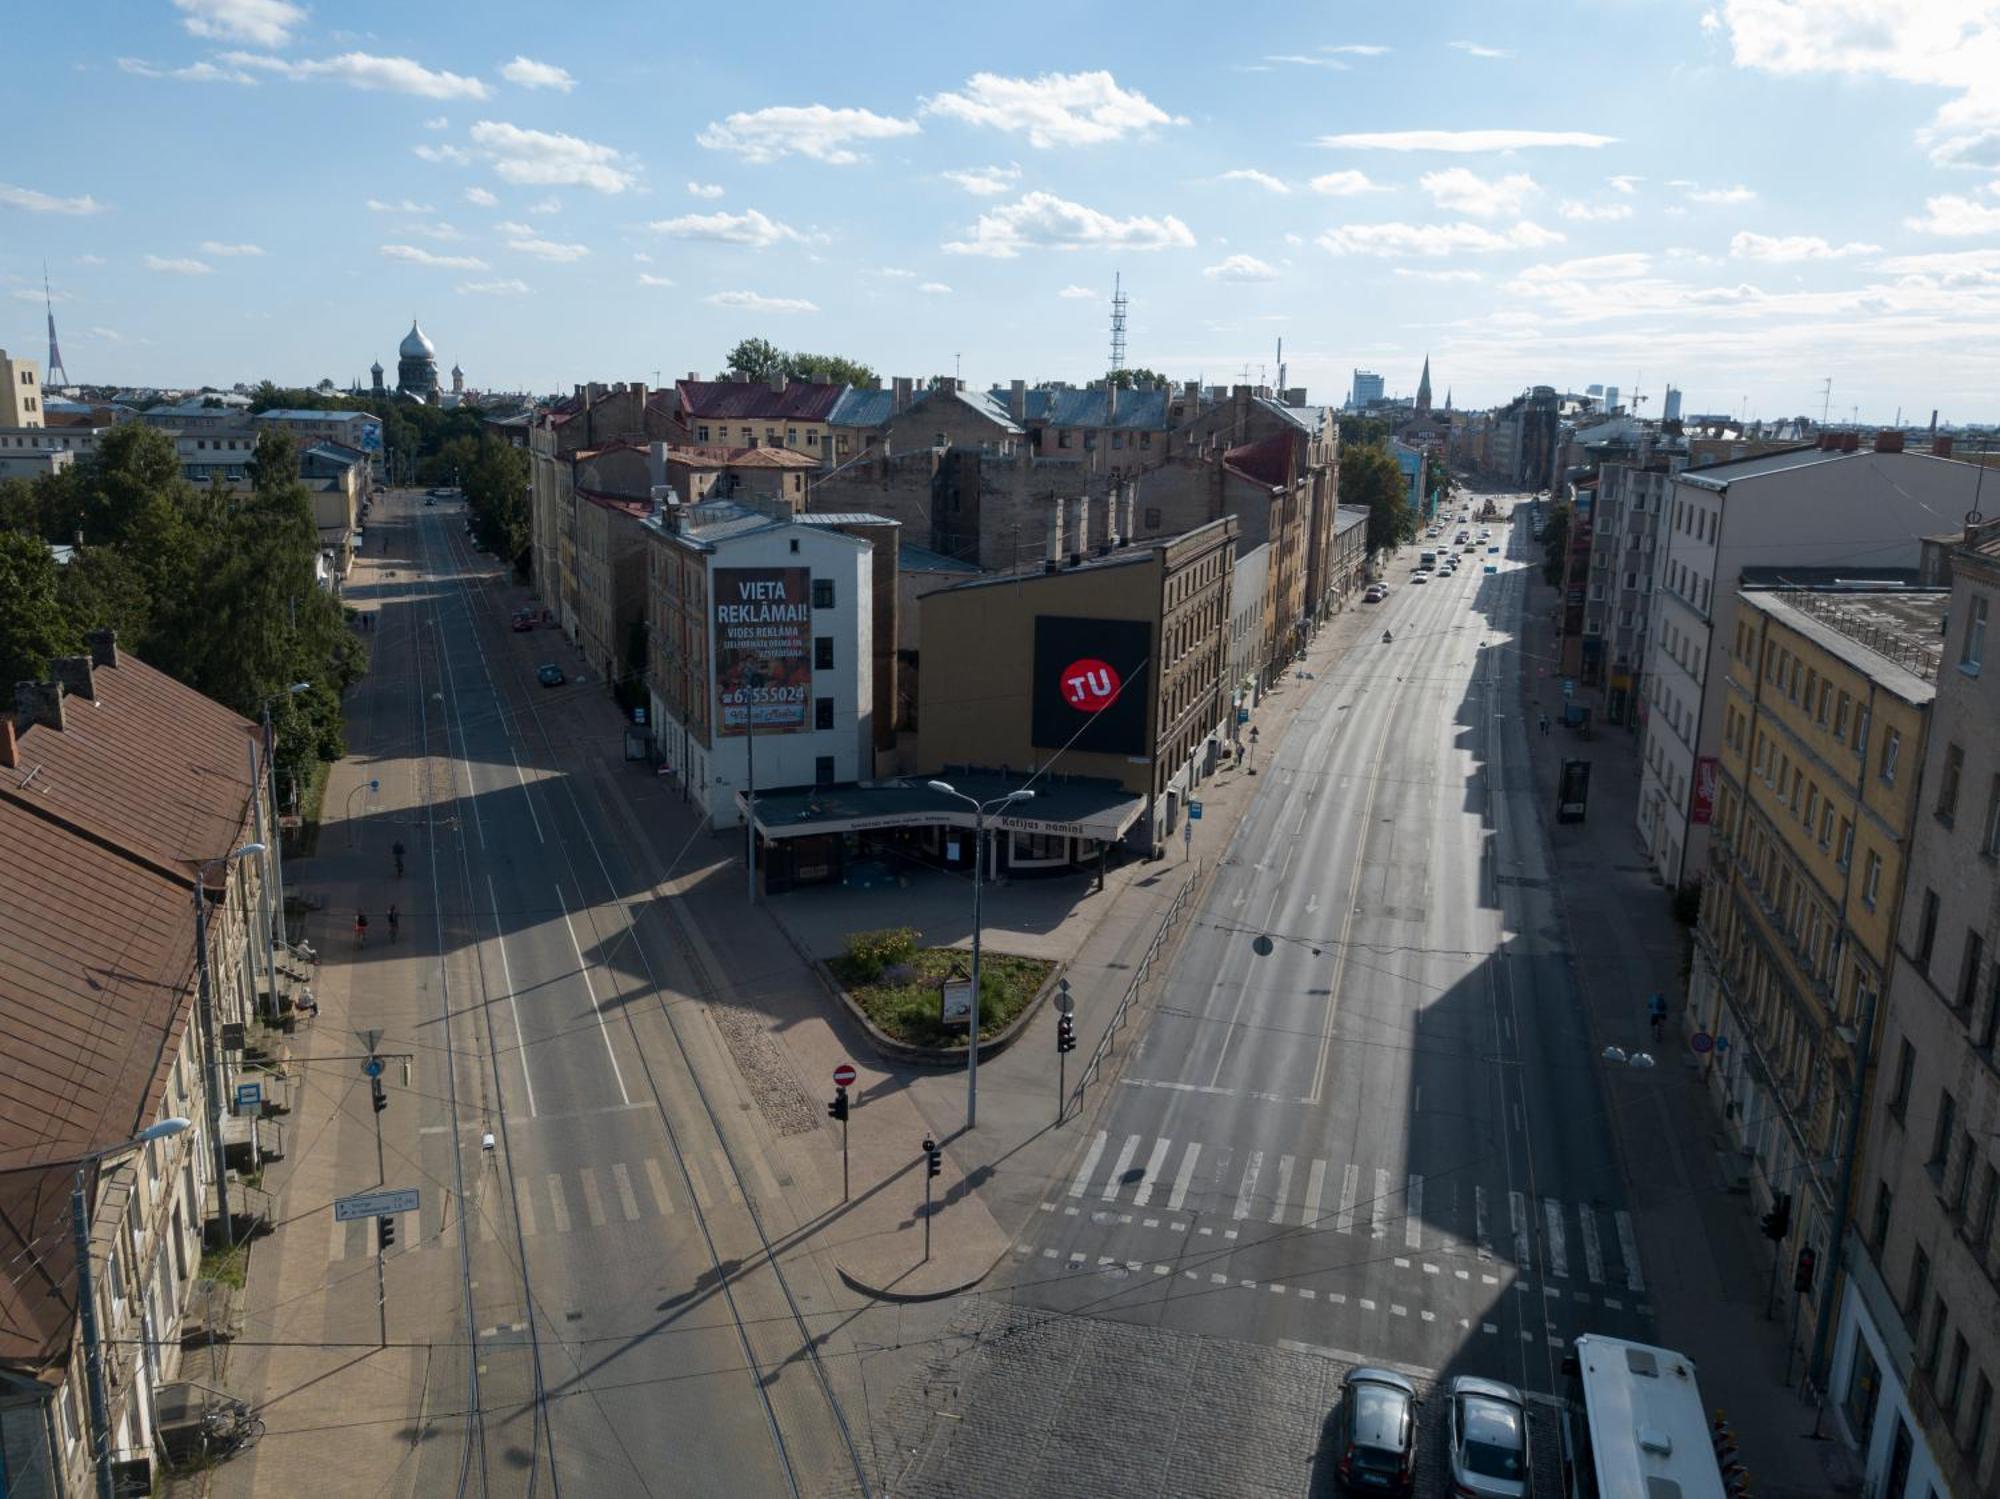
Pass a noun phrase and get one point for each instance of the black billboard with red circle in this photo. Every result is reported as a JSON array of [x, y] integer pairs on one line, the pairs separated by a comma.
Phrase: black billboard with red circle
[[1090, 684]]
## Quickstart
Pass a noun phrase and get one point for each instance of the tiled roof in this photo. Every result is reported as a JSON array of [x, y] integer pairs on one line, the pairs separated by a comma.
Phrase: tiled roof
[[1265, 461], [863, 408], [616, 445], [637, 509], [728, 400], [1137, 409]]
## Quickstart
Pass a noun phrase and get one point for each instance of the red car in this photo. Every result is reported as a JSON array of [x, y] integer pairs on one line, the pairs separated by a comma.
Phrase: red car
[[524, 619]]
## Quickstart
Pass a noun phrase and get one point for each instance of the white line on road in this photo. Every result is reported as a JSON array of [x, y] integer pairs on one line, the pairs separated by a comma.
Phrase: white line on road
[[1154, 1163], [1315, 1184], [528, 800], [591, 990], [1413, 1214], [1284, 1189], [1123, 1164], [657, 1180], [1628, 1246], [558, 1208], [1182, 1178], [1517, 1212], [524, 1205], [593, 1200], [723, 1170], [1089, 1165], [513, 1006], [1593, 1254], [1378, 1206], [1350, 1180], [1242, 1208], [1552, 1215], [1481, 1232]]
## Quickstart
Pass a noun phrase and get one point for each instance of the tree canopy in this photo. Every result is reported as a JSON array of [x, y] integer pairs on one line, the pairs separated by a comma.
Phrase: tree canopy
[[1127, 379], [1371, 477], [760, 359]]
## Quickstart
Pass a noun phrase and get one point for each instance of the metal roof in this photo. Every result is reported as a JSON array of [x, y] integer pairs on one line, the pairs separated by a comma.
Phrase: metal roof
[[994, 410], [1137, 409], [911, 558], [1086, 806], [863, 408], [317, 416], [844, 518], [730, 400]]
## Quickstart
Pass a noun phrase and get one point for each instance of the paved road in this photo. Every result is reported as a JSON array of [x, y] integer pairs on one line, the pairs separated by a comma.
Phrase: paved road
[[603, 1299], [1365, 1116]]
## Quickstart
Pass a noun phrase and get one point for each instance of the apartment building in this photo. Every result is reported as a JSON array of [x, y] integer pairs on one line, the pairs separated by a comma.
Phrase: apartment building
[[1916, 1352], [1624, 561], [20, 391]]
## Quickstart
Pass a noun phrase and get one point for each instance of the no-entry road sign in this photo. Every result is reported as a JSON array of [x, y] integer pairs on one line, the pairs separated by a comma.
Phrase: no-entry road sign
[[843, 1075]]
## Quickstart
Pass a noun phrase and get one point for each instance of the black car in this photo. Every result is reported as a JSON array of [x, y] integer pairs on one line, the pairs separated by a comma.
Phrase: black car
[[549, 674], [1376, 1436]]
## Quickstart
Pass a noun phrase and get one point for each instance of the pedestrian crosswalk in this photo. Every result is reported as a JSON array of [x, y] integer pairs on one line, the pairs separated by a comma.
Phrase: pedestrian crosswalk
[[1579, 1241]]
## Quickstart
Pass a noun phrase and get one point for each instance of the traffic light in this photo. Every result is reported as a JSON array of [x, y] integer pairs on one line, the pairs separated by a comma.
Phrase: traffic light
[[838, 1108], [1778, 1222], [933, 1159], [1802, 1273], [379, 1094], [1065, 1033], [385, 1231]]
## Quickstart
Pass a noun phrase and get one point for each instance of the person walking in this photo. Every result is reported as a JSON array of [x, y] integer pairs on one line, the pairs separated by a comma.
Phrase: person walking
[[392, 921], [1545, 724], [361, 929]]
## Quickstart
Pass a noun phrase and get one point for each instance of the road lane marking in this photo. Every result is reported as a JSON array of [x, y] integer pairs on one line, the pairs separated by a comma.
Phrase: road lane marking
[[1593, 1254], [1154, 1163], [593, 1200], [526, 799], [1628, 1246], [1284, 1189], [507, 972], [728, 1176], [1481, 1231], [622, 1180], [1517, 1211], [1315, 1184], [1378, 1206], [1183, 1177], [1413, 1212], [524, 1205], [658, 1181], [591, 990], [1242, 1208], [1558, 1251], [703, 1198], [1123, 1164], [558, 1208], [1089, 1165], [1350, 1179]]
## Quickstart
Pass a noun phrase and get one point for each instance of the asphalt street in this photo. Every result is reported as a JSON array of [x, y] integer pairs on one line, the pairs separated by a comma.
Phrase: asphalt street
[[1365, 1117]]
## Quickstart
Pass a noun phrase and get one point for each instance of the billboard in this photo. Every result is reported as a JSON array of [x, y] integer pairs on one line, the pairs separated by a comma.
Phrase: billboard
[[1701, 799], [763, 649], [1091, 684]]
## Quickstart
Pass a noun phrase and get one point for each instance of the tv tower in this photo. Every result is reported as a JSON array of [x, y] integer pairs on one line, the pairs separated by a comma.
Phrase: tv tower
[[55, 365], [1117, 321]]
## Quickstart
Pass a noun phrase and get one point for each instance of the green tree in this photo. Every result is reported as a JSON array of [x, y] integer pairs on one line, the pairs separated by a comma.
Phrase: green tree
[[33, 626], [1371, 477], [1128, 379], [496, 491], [836, 367], [1441, 484], [756, 358], [1555, 543], [101, 588]]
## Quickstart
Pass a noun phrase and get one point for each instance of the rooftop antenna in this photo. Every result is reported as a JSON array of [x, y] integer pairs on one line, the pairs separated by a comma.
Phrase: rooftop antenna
[[1825, 399], [55, 374], [1117, 321]]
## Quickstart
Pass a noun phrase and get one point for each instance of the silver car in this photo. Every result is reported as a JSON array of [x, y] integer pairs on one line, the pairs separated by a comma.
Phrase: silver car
[[1489, 1439]]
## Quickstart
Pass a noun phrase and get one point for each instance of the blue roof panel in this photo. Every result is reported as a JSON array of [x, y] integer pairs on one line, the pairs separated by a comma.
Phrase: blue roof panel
[[862, 408]]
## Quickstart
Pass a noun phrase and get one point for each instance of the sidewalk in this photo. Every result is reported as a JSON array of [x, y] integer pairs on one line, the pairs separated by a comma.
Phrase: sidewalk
[[1706, 1265]]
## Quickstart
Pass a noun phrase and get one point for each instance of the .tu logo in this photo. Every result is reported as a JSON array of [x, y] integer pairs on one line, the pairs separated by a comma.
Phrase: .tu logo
[[1090, 685]]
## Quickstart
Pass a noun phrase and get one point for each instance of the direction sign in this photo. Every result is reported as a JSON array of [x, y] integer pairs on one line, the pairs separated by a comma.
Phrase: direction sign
[[375, 1204], [1194, 811], [844, 1075], [1701, 1041], [249, 1097]]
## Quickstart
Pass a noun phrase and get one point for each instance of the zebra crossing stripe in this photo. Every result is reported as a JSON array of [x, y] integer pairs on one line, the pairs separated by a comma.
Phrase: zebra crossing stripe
[[524, 1205], [1155, 1163], [558, 1208], [1350, 1179], [1117, 1179], [627, 1200], [337, 1248], [1314, 1184], [656, 1179], [1242, 1208], [703, 1198], [1089, 1165], [593, 1201], [1284, 1189], [1593, 1253], [1183, 1177], [1558, 1251], [1413, 1213], [1481, 1233], [1378, 1206], [1517, 1212], [1628, 1247], [727, 1175]]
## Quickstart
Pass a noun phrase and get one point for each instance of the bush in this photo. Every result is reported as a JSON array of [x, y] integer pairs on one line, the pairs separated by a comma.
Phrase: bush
[[868, 953]]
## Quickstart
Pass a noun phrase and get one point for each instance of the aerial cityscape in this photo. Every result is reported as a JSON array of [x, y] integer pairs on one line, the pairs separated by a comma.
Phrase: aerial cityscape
[[1242, 758]]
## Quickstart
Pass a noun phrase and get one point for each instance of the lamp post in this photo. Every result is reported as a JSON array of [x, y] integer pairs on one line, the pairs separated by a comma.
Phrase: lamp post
[[211, 1041], [271, 786], [370, 786], [979, 813], [86, 1296]]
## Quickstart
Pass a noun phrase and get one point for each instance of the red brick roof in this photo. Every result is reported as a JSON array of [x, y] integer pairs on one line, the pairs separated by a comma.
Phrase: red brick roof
[[729, 400], [639, 509]]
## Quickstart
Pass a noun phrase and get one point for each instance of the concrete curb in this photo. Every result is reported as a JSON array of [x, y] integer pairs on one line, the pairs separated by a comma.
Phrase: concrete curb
[[936, 1056]]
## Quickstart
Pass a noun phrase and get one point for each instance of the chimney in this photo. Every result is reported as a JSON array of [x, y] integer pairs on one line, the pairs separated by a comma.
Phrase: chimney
[[74, 674], [39, 702], [778, 382], [1888, 442], [1055, 551], [103, 648], [1080, 544], [1941, 446], [1017, 402], [901, 385], [10, 749], [1110, 402]]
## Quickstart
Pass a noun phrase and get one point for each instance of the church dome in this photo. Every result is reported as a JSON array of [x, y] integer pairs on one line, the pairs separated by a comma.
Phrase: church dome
[[415, 345], [376, 367]]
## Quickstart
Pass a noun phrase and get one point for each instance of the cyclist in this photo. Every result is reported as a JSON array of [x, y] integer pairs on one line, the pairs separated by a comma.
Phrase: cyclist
[[361, 929], [392, 921], [398, 851]]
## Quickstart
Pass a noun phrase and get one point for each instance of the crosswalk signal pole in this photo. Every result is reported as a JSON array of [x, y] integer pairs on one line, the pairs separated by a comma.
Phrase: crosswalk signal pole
[[933, 1164]]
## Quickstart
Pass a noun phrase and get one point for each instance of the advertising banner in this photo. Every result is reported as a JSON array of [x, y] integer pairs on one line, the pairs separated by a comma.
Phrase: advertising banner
[[1702, 797], [763, 649], [1091, 684]]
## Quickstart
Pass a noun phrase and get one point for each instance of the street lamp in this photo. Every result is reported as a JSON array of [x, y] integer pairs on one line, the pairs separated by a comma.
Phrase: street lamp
[[210, 1040], [93, 1355], [979, 814]]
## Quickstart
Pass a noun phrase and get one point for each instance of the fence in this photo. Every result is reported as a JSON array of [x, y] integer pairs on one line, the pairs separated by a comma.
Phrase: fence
[[1176, 909]]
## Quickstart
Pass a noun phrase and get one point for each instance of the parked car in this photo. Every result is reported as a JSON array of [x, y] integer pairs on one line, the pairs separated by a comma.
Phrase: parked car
[[1493, 551], [524, 619], [1375, 594], [1376, 1434], [1488, 1444], [550, 675]]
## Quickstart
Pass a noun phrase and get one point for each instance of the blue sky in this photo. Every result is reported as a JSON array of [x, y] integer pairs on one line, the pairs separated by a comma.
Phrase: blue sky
[[1743, 198]]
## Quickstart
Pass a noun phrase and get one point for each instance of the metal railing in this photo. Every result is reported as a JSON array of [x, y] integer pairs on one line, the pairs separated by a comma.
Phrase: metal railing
[[1176, 909]]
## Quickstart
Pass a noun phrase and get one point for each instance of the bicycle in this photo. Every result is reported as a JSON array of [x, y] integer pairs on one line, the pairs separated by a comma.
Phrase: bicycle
[[230, 1428]]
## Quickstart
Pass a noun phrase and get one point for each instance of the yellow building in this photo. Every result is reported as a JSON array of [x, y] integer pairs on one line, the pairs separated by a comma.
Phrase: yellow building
[[1814, 799], [20, 392]]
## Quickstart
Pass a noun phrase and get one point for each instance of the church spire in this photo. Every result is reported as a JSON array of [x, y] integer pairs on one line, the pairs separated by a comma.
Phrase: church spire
[[1424, 388]]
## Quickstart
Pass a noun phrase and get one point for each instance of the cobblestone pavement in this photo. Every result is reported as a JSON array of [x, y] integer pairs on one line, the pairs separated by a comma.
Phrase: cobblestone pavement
[[1016, 1403]]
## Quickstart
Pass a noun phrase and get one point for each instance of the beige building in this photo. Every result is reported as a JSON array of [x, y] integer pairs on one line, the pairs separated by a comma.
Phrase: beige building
[[20, 392], [1916, 1352], [610, 581]]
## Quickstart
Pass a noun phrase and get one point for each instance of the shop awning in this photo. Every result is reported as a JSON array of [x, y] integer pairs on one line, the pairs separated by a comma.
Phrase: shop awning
[[1076, 808]]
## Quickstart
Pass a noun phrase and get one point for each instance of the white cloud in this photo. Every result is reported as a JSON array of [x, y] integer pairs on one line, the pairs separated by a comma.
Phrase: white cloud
[[1078, 293], [432, 231], [481, 198], [1944, 263], [1044, 220], [647, 278], [416, 255], [109, 335], [751, 227], [986, 182], [437, 122], [1624, 183], [541, 158], [364, 70], [809, 130], [1433, 239], [263, 23], [506, 286], [446, 155], [1621, 267], [39, 202], [1358, 49], [935, 289], [180, 267], [544, 249], [1473, 49], [1344, 184], [1264, 180], [896, 273], [216, 247], [401, 205], [1593, 213], [1464, 191], [515, 229], [34, 294], [1949, 214], [1240, 268], [708, 190], [546, 205], [1408, 274], [756, 302], [1721, 195], [1792, 248], [90, 260], [1300, 60], [528, 73], [1463, 140], [1056, 109], [194, 72]]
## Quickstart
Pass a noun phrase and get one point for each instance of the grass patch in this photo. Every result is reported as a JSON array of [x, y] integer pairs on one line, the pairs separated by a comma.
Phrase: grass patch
[[896, 983], [226, 1266]]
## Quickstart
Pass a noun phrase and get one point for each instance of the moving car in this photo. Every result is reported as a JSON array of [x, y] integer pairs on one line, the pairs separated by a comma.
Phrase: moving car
[[549, 674], [1376, 1435], [524, 619], [1493, 551], [1420, 576], [430, 499], [1488, 1445]]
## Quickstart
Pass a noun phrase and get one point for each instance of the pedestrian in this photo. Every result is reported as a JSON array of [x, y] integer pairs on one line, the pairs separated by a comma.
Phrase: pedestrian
[[306, 1005], [1545, 725], [393, 920]]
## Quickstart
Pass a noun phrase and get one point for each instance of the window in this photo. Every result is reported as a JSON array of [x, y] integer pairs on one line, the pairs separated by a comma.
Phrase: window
[[1812, 806], [1864, 1385], [1941, 1132], [1878, 1229], [1871, 880], [1892, 746], [822, 653], [1961, 1179], [1152, 518], [1979, 1226], [1954, 766], [1812, 688], [1989, 842], [1919, 1287], [1927, 925], [1826, 826], [1825, 698], [1972, 650], [1968, 972], [823, 770], [822, 593], [1934, 1344], [1906, 1066], [822, 713], [1982, 1417], [791, 437], [1983, 1028]]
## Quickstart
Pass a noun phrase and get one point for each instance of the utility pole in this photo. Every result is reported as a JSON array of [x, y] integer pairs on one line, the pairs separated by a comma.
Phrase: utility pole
[[750, 684], [213, 1055]]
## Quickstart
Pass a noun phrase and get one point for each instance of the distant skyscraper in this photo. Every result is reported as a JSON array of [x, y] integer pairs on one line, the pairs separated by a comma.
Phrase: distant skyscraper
[[1672, 410], [1424, 388], [1610, 398], [1367, 389]]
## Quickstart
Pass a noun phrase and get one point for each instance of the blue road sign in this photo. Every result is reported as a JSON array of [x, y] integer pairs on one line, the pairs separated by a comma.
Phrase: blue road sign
[[249, 1097], [1194, 811], [373, 1067]]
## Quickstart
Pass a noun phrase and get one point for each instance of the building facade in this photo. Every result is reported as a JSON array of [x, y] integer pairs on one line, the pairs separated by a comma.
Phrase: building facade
[[1624, 564], [20, 392]]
